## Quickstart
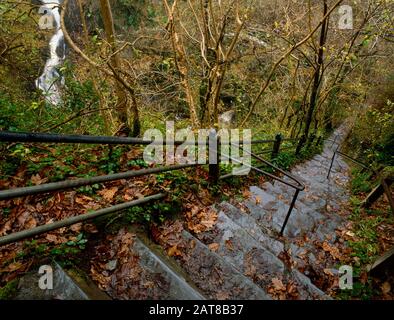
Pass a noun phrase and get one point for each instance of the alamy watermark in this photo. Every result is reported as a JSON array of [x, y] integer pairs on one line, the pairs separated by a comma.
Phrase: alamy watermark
[[45, 282], [204, 146], [345, 21], [346, 278]]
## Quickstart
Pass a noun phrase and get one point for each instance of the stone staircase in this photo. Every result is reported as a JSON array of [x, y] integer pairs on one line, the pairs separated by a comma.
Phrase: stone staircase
[[243, 257]]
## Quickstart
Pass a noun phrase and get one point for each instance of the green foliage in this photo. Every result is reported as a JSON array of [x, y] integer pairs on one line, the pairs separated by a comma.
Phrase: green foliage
[[361, 182], [372, 138], [9, 290], [67, 251], [156, 212], [111, 163], [362, 291], [138, 163], [285, 160]]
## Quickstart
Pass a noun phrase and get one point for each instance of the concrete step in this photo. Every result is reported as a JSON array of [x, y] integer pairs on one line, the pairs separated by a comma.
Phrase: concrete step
[[66, 285], [250, 256], [176, 287], [212, 275]]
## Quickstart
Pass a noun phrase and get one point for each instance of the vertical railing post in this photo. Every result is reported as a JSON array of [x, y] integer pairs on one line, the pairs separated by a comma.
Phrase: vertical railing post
[[289, 212], [332, 163], [276, 149], [214, 158]]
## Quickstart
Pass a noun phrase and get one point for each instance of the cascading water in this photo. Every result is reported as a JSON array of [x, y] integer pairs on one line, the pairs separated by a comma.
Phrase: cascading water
[[50, 81]]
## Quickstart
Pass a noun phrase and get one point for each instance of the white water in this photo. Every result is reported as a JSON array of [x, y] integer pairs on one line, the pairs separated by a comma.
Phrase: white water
[[50, 80]]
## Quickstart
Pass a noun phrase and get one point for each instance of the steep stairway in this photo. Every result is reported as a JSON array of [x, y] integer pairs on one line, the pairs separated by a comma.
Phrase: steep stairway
[[242, 255]]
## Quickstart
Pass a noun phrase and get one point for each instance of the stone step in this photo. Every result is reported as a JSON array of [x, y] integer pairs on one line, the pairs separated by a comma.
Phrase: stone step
[[272, 215], [66, 285], [236, 246], [173, 285], [248, 223], [212, 275]]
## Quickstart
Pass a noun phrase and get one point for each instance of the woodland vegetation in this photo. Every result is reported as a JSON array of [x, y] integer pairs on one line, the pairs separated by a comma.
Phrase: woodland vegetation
[[282, 66]]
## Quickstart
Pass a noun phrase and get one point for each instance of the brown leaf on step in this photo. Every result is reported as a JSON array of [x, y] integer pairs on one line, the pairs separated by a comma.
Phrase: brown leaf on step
[[328, 272], [222, 295], [258, 200], [108, 194], [214, 246], [13, 266], [200, 220], [127, 197], [386, 287], [292, 290], [229, 245], [246, 194], [30, 223], [37, 180], [174, 252], [83, 199], [333, 251], [51, 238], [192, 244], [76, 227], [90, 228], [278, 284]]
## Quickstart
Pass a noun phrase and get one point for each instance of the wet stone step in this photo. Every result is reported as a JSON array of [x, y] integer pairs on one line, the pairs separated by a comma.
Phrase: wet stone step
[[238, 248], [248, 223], [175, 287], [66, 285], [273, 214], [135, 272], [215, 278]]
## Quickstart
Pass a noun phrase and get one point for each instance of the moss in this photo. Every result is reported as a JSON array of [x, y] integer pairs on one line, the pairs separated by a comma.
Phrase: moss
[[9, 290]]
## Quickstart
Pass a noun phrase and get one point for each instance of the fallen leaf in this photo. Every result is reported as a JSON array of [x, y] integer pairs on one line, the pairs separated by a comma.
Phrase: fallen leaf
[[14, 266], [333, 251], [328, 272], [386, 287], [51, 238], [214, 246], [278, 284], [229, 245], [192, 244], [174, 251], [222, 295], [247, 194], [76, 227], [108, 194], [37, 180]]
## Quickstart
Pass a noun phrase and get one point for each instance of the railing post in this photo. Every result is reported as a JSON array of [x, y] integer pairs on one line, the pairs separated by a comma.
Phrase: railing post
[[214, 157], [289, 212], [278, 141], [332, 163]]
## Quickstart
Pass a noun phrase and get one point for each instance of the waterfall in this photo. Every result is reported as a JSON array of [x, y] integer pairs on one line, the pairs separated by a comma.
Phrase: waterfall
[[51, 80]]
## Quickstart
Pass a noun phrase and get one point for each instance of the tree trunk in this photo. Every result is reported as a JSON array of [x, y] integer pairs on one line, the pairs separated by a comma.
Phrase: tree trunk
[[122, 101], [316, 81]]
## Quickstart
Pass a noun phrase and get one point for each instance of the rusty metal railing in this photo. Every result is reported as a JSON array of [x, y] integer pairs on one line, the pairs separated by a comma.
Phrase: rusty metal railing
[[24, 137]]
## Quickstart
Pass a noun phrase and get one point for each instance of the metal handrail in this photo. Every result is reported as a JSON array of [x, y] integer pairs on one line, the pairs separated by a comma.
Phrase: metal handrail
[[361, 164], [75, 183], [56, 186], [299, 184], [17, 236], [9, 136]]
